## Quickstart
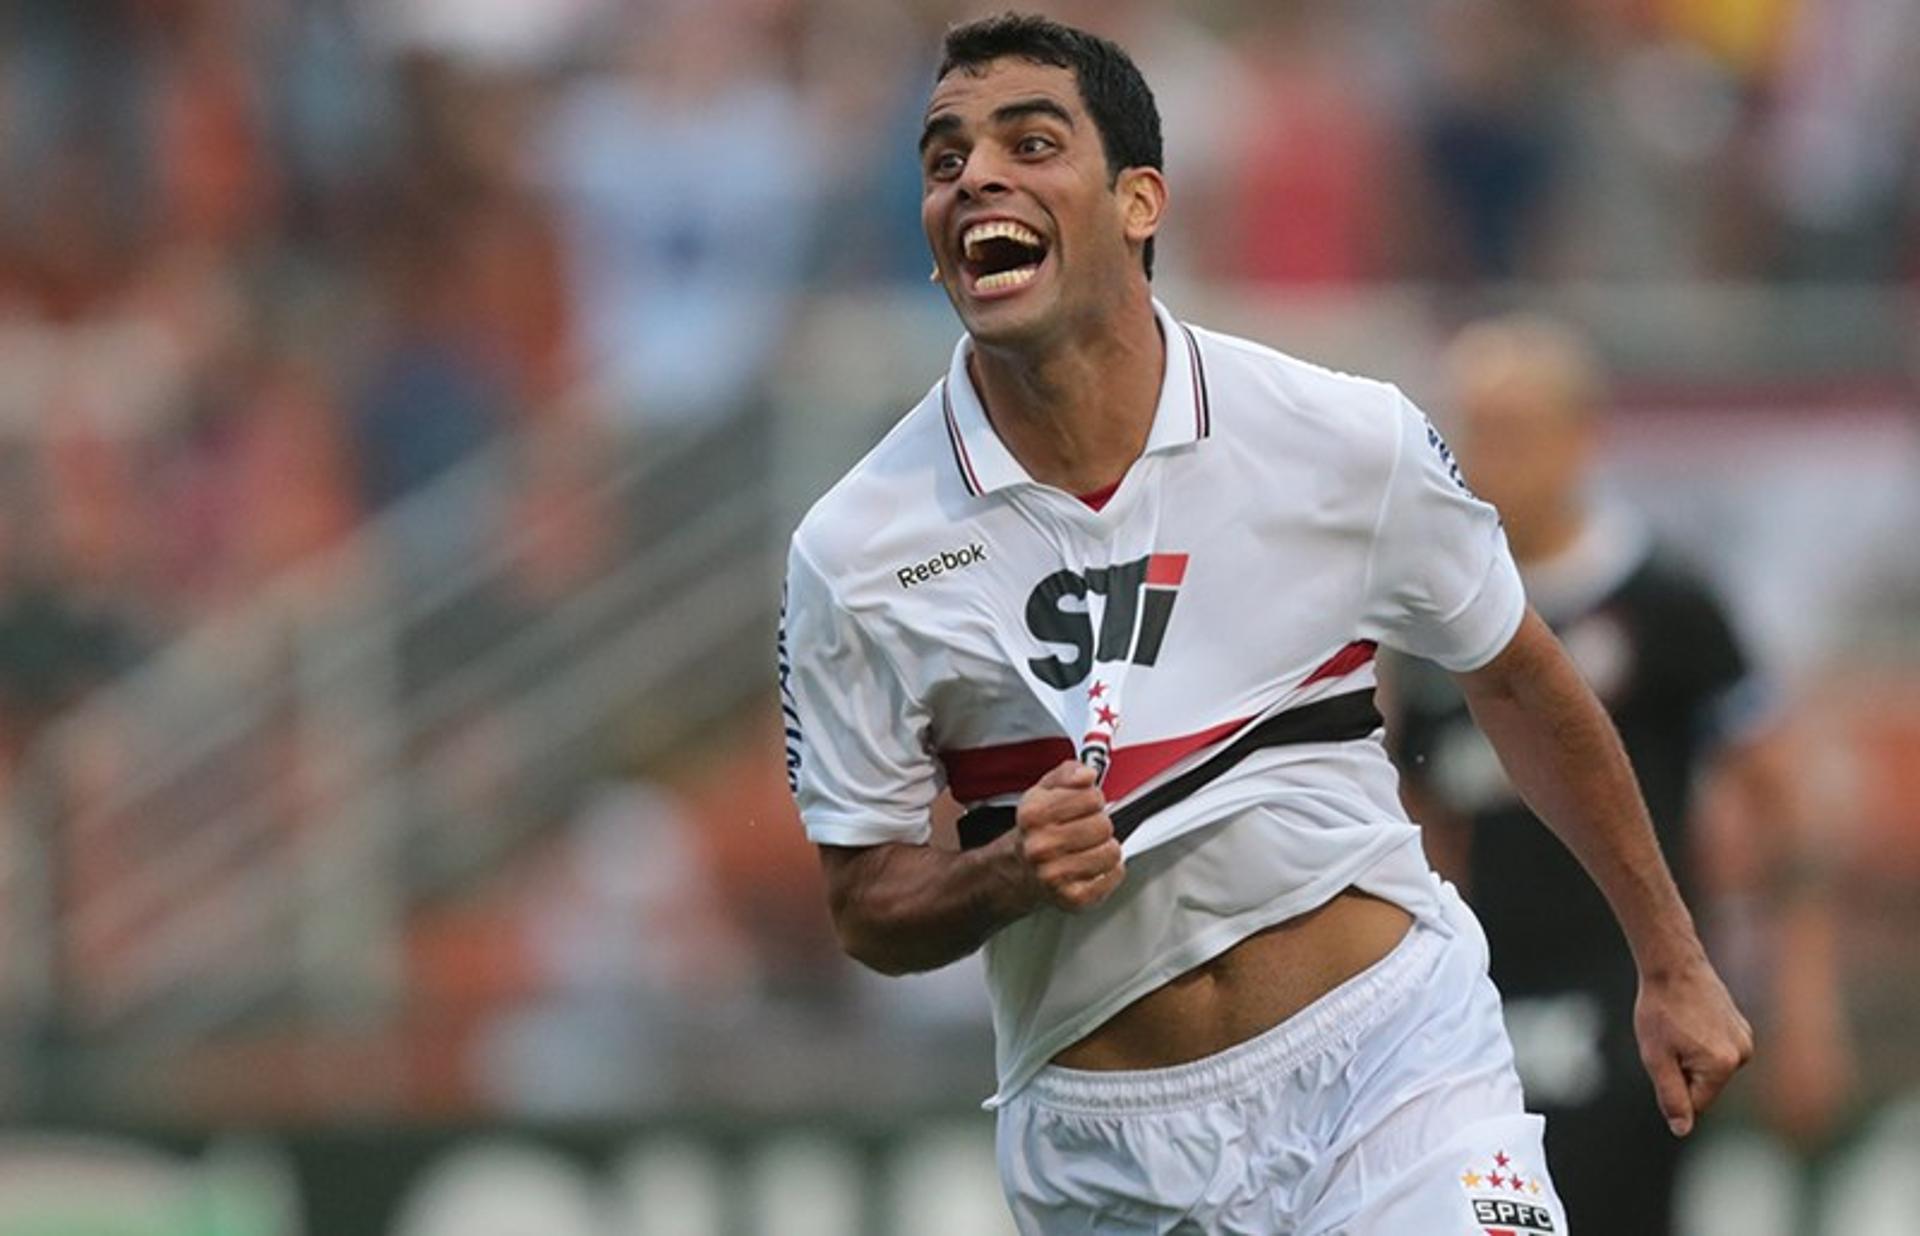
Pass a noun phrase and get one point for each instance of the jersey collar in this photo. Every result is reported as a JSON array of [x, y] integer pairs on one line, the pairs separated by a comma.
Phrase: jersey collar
[[1182, 416]]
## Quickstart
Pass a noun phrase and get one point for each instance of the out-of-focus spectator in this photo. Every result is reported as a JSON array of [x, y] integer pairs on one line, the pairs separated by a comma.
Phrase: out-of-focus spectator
[[294, 495], [1654, 142], [1312, 199], [56, 642], [1746, 36], [626, 943], [1842, 152], [863, 67], [268, 267], [1487, 133], [1661, 654], [427, 402], [217, 181], [686, 176]]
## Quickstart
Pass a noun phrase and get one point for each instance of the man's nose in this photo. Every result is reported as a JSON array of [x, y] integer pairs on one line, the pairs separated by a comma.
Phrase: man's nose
[[984, 176]]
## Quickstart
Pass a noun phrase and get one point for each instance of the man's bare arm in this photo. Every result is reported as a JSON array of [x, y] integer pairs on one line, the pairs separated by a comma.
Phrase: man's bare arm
[[902, 908], [1563, 755]]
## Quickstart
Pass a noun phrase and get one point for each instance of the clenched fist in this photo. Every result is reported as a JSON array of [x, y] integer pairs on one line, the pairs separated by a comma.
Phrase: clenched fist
[[1692, 1039], [1065, 840]]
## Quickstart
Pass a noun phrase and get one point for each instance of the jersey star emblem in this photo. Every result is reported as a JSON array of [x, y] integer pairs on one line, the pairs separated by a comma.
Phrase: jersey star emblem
[[1471, 1178], [1500, 1158], [1497, 1180], [1108, 717], [1097, 690]]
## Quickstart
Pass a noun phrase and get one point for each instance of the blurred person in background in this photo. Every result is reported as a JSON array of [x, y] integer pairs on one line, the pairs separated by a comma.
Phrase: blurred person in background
[[627, 943], [1315, 165], [686, 179], [1657, 648], [58, 638], [1487, 136], [1840, 153]]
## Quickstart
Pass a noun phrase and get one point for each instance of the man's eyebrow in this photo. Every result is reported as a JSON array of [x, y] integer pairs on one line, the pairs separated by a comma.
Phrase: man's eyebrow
[[937, 127], [948, 122], [1020, 109]]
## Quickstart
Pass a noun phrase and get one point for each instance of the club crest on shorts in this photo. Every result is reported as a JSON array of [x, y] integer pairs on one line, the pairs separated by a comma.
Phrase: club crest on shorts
[[1506, 1199]]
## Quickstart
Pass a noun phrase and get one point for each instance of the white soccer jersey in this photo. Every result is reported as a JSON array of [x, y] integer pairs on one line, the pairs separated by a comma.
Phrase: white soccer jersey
[[950, 621]]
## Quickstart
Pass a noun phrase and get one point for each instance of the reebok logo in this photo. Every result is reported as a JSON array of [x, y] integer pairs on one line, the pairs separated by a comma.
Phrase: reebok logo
[[942, 562]]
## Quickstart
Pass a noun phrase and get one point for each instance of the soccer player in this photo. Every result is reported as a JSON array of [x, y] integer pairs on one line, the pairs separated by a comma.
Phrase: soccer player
[[1654, 644], [1117, 583]]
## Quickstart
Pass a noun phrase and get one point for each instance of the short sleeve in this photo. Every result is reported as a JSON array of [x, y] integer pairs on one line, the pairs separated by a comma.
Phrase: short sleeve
[[857, 760], [1441, 582]]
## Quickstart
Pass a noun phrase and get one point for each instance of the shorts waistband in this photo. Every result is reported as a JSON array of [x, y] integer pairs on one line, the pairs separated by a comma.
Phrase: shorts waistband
[[1343, 1014]]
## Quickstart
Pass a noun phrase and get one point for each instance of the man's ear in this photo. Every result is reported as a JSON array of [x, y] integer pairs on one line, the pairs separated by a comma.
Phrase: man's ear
[[1143, 201]]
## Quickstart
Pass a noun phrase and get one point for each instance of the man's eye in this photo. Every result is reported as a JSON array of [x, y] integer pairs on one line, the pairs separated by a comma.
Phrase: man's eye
[[947, 163], [1034, 143]]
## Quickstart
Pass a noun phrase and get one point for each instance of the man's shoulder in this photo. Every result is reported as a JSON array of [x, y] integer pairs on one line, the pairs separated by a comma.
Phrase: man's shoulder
[[1281, 406], [1246, 372], [897, 483], [1251, 358]]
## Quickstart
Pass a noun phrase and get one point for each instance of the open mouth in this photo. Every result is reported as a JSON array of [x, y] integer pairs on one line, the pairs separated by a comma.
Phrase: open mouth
[[1000, 254]]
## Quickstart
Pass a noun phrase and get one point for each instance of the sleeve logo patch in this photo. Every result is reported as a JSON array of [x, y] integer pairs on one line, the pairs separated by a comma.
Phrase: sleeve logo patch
[[789, 708], [1506, 1200], [1445, 452]]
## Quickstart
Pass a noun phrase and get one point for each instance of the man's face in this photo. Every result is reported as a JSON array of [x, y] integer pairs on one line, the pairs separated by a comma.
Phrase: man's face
[[1522, 448], [1028, 230]]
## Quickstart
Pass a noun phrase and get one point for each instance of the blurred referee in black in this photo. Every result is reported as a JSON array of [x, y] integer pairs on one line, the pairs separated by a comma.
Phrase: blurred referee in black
[[1526, 396]]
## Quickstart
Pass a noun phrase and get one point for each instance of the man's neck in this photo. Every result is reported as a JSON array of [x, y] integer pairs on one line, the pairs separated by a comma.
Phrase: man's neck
[[1538, 543], [1076, 412], [1579, 576]]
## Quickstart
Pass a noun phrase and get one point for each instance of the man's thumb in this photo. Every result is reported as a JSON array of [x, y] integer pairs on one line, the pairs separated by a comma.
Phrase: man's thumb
[[1067, 774], [1670, 1091]]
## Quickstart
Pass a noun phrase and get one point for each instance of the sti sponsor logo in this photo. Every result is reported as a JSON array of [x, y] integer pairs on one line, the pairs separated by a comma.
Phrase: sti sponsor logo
[[1139, 596], [942, 562]]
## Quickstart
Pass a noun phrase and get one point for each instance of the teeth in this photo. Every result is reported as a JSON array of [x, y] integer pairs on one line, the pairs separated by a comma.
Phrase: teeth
[[998, 229], [1005, 279]]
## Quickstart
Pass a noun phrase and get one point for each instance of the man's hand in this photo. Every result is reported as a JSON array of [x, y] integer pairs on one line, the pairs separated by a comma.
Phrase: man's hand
[[1692, 1040], [1065, 840]]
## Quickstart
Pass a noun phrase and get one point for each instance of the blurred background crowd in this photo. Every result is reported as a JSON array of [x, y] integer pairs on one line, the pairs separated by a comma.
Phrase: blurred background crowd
[[403, 404], [267, 267]]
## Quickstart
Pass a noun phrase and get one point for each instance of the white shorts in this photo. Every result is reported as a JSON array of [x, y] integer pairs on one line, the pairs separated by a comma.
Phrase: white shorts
[[1388, 1107]]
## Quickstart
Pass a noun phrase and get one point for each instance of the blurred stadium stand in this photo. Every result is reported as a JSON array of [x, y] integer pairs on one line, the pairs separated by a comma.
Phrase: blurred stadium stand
[[403, 404]]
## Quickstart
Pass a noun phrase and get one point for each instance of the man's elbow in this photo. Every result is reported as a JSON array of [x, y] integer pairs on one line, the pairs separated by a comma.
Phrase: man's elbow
[[869, 936], [879, 901], [891, 943], [881, 959]]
